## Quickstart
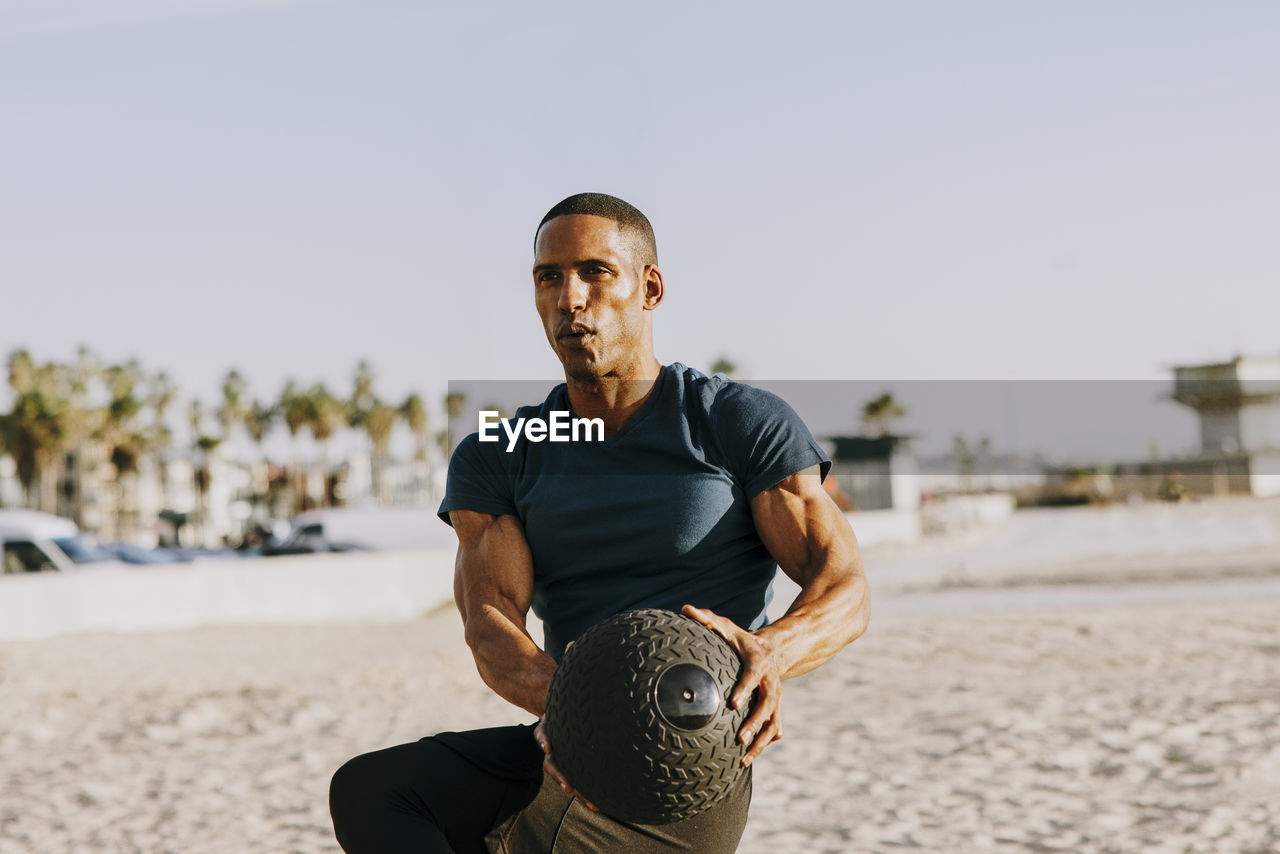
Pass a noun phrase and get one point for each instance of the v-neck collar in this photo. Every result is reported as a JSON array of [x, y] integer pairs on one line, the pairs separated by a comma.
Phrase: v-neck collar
[[646, 408]]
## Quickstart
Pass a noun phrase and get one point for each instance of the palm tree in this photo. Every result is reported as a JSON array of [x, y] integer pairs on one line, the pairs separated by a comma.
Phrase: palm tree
[[379, 423], [202, 445], [414, 413], [362, 397], [259, 418], [87, 425], [15, 433], [232, 410], [326, 416], [117, 430], [295, 409], [205, 445], [160, 396], [963, 456], [34, 432], [123, 404], [22, 371], [84, 370], [359, 409], [879, 414], [983, 454], [454, 402], [39, 427], [723, 365], [195, 420]]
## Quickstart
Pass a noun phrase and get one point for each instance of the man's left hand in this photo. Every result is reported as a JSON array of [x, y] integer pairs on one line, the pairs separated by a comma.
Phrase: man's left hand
[[762, 670]]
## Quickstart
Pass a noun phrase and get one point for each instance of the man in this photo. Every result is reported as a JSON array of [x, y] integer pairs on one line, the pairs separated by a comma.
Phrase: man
[[699, 485]]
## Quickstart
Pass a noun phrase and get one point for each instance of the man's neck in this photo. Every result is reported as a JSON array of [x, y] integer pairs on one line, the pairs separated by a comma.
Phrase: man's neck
[[614, 399]]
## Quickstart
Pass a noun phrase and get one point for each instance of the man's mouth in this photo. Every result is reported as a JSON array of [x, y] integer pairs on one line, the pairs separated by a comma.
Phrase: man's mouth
[[575, 336]]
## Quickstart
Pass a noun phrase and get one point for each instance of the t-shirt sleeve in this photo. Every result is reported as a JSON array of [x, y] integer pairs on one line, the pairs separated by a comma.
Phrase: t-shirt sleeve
[[763, 439], [478, 480]]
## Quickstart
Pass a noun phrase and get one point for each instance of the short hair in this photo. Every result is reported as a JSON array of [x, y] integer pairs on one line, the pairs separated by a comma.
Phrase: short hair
[[631, 222]]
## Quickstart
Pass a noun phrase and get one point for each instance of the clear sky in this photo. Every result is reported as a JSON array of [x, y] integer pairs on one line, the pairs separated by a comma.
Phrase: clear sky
[[979, 190]]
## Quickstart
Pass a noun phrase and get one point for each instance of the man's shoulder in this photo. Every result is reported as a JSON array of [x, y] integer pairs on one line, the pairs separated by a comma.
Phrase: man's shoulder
[[727, 400], [753, 432]]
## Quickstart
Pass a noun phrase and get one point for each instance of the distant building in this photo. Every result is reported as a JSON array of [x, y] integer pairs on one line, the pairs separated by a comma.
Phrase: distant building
[[877, 472], [1239, 407], [1238, 403]]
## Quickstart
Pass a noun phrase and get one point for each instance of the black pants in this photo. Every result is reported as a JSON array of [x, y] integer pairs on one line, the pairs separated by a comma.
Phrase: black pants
[[483, 792]]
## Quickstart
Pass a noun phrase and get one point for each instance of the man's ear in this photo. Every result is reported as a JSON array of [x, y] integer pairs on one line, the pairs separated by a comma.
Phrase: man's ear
[[653, 287]]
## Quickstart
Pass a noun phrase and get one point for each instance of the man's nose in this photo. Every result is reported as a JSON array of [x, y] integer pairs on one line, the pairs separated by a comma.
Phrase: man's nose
[[573, 295]]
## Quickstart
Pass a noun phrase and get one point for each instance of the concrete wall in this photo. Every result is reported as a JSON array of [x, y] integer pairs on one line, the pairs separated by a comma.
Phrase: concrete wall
[[1220, 431], [1260, 426], [303, 589], [955, 513], [877, 527], [1264, 475], [366, 586]]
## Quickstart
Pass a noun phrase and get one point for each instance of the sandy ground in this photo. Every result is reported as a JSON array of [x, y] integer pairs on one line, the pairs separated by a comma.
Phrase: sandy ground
[[1148, 726], [982, 716]]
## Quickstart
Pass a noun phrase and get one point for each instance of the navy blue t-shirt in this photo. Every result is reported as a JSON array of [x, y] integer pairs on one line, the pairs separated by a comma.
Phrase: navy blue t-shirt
[[656, 515]]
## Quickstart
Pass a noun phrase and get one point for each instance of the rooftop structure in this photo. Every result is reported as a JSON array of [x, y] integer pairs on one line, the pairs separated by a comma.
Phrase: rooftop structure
[[1238, 403]]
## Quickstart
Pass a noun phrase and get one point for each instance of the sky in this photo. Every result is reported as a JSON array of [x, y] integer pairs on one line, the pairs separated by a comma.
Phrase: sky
[[840, 191]]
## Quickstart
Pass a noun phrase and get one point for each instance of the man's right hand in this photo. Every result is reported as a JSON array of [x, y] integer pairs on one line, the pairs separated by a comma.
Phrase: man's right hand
[[540, 736]]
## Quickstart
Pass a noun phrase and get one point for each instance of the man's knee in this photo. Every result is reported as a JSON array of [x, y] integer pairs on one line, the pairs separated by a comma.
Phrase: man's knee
[[355, 784], [415, 779], [422, 793]]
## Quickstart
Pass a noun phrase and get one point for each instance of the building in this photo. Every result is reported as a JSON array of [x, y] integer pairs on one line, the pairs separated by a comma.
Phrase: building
[[877, 472], [1238, 403]]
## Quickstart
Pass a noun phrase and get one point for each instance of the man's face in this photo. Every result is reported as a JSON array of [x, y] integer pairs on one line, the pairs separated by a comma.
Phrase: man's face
[[592, 295]]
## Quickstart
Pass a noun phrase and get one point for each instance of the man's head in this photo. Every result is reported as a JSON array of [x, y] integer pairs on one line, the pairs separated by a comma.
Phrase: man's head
[[631, 222], [596, 282]]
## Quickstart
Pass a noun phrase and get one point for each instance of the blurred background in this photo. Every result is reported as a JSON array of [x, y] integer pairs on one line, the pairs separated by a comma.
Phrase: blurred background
[[254, 250]]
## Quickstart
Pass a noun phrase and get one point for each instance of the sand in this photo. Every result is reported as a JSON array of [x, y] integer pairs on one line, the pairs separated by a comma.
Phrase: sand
[[1025, 724]]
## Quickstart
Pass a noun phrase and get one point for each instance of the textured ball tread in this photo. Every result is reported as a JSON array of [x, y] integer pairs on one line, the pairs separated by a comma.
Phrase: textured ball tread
[[602, 703]]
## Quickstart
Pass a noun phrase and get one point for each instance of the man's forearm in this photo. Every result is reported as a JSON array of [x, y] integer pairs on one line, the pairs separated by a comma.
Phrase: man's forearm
[[493, 588], [508, 660], [830, 612]]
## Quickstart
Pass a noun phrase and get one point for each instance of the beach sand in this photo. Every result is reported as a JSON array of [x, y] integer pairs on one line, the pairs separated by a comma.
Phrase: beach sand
[[1136, 723]]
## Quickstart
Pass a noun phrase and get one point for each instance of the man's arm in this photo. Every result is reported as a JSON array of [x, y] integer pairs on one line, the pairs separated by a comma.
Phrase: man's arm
[[813, 544], [493, 588]]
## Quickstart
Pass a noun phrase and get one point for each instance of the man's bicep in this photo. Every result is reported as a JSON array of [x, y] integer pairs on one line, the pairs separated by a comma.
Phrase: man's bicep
[[494, 567], [802, 528]]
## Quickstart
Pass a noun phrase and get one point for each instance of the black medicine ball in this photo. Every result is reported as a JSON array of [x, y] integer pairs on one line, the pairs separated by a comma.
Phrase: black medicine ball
[[639, 720]]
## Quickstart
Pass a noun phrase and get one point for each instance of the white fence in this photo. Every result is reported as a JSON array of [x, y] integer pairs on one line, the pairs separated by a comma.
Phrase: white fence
[[877, 527], [957, 513], [372, 586], [361, 586]]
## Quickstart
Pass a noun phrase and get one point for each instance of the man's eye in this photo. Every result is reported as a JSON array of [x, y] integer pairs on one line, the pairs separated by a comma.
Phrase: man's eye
[[547, 276]]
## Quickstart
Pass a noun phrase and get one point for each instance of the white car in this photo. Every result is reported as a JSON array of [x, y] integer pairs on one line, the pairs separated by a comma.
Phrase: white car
[[339, 529], [33, 541]]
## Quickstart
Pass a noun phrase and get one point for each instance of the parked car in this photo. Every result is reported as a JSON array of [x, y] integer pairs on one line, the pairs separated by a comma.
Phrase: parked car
[[35, 542], [343, 529], [139, 556]]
